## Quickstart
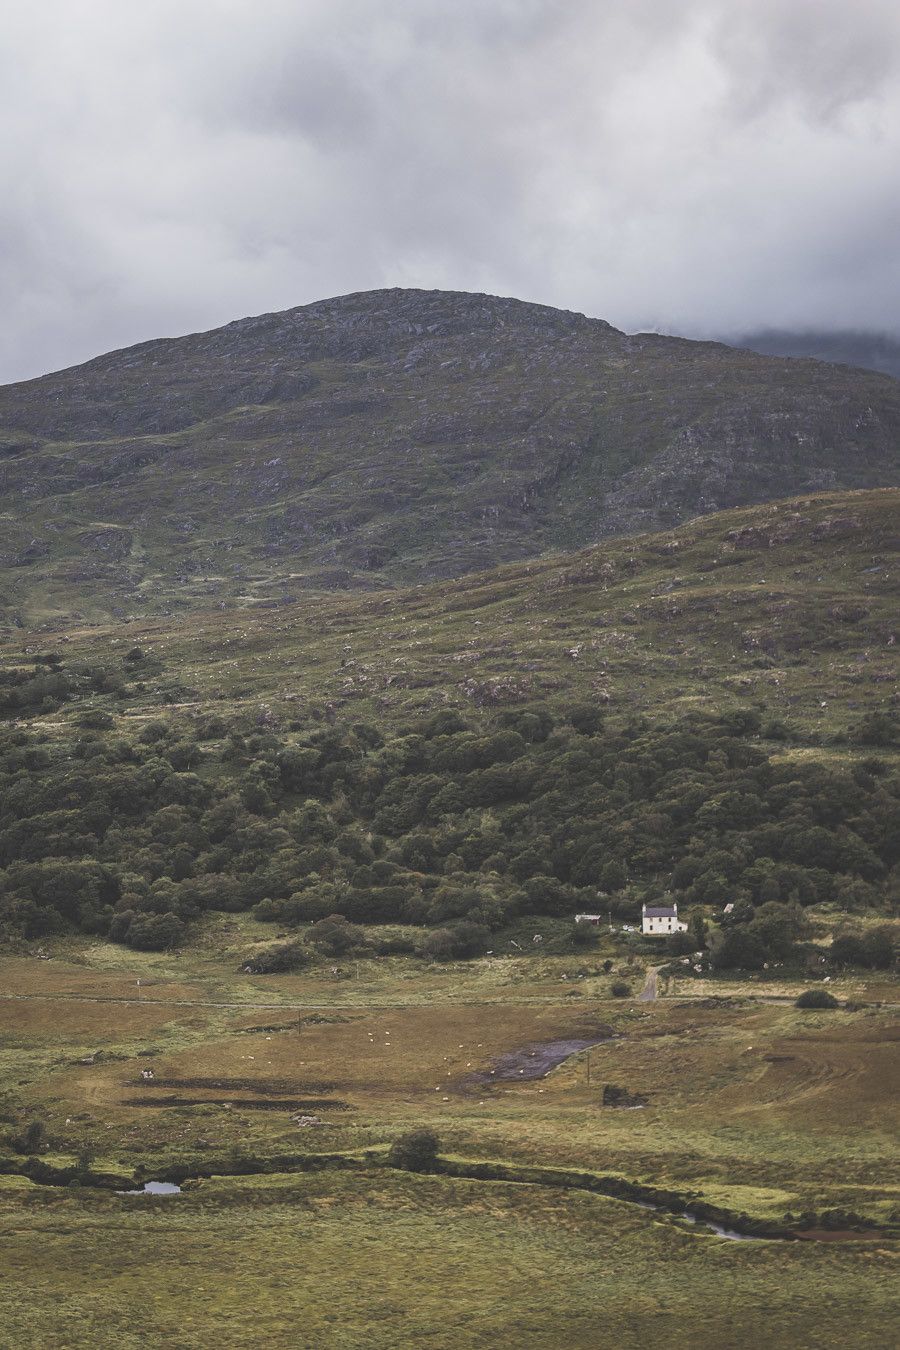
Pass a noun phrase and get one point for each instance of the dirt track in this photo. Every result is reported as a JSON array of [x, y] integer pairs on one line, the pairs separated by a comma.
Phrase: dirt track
[[648, 993]]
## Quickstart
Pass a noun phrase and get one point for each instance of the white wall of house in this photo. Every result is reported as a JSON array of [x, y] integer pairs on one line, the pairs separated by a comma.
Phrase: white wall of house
[[661, 926]]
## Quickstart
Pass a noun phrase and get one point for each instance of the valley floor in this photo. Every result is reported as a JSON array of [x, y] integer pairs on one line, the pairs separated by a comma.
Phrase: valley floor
[[748, 1104], [395, 1260]]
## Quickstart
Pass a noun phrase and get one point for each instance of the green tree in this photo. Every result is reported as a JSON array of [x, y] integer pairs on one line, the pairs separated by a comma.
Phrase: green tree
[[697, 931], [738, 949]]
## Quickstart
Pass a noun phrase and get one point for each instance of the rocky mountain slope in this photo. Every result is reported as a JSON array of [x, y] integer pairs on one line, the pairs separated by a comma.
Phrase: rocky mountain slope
[[394, 437]]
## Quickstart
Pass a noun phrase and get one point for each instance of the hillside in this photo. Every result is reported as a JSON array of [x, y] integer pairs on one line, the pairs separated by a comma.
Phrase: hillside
[[647, 698], [395, 437], [790, 607]]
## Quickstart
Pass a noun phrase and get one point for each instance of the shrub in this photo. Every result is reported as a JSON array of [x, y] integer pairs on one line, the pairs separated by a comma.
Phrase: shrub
[[459, 943], [874, 949], [31, 1139], [876, 728], [680, 944], [96, 719], [878, 946], [621, 989], [739, 950], [816, 998], [587, 719], [394, 945], [335, 935], [155, 933], [415, 1151], [274, 960]]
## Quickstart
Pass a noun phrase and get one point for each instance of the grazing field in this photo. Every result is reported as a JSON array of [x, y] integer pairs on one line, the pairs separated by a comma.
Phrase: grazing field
[[744, 1101], [390, 1260], [748, 1104]]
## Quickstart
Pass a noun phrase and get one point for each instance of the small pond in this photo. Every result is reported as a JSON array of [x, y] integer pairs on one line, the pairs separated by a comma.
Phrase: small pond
[[154, 1188]]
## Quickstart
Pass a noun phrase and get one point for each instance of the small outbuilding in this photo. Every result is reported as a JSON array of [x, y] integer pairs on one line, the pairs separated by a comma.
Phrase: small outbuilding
[[661, 920]]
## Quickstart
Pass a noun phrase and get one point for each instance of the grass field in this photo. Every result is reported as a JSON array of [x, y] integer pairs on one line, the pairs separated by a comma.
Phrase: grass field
[[750, 1105], [393, 1261]]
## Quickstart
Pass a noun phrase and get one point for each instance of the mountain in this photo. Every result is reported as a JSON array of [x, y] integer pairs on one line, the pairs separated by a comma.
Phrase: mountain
[[395, 437], [848, 347]]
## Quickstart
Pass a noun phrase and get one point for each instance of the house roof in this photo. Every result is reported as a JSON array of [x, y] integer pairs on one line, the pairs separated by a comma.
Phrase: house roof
[[660, 912]]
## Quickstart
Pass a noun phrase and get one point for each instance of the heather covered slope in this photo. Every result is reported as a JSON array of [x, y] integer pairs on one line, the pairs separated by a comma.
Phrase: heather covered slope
[[393, 437], [790, 607]]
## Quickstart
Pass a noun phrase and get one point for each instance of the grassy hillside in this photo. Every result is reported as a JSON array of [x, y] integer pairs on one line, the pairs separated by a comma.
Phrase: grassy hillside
[[708, 712], [789, 608], [395, 437]]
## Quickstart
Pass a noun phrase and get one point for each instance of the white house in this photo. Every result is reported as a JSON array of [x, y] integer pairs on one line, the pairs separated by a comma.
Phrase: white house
[[660, 920]]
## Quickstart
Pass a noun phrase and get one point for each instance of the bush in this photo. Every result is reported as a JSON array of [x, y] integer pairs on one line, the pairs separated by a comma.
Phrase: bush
[[96, 719], [394, 945], [415, 1151], [621, 989], [31, 1139], [879, 947], [459, 943], [739, 950], [274, 960], [587, 719], [874, 949], [335, 935], [680, 944], [155, 933], [816, 998]]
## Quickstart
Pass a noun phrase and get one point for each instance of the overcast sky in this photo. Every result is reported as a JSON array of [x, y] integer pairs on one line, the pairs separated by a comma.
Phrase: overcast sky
[[698, 166]]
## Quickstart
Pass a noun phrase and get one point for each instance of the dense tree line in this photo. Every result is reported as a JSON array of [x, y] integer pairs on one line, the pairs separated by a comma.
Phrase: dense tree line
[[458, 826]]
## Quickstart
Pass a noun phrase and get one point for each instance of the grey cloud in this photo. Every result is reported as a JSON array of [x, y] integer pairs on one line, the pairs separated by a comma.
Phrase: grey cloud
[[695, 165]]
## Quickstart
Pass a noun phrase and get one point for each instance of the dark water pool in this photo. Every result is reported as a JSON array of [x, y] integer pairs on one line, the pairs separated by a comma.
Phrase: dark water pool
[[537, 1059]]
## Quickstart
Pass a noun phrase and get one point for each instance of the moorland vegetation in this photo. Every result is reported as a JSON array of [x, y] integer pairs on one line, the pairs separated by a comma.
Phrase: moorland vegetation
[[453, 826]]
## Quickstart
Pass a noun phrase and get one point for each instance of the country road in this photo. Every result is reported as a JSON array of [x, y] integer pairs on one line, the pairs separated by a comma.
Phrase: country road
[[648, 993]]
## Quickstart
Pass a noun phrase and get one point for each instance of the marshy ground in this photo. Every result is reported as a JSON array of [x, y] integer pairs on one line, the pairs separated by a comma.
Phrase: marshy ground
[[750, 1105]]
